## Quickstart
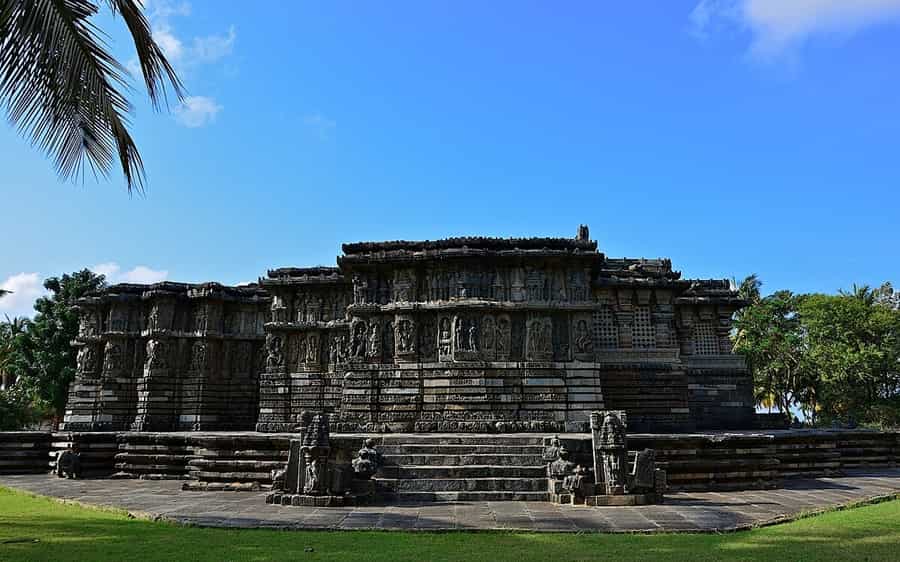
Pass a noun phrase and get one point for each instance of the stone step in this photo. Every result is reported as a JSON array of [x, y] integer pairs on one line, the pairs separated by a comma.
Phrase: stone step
[[492, 459], [471, 471], [471, 439], [441, 449], [464, 484], [415, 497]]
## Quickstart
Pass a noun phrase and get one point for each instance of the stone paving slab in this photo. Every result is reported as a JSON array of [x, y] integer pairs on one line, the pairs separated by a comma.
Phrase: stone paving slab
[[682, 512]]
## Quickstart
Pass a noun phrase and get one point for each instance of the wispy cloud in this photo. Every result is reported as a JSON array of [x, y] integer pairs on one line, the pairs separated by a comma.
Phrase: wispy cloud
[[781, 27], [186, 55], [321, 125], [197, 111], [138, 274], [24, 289]]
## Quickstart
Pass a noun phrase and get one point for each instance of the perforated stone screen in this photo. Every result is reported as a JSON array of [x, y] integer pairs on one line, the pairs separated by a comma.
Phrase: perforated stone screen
[[606, 334], [705, 341], [642, 333]]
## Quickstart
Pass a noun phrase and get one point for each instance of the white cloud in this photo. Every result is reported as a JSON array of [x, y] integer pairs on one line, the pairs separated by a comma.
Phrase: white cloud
[[322, 125], [25, 289], [171, 46], [197, 111], [780, 27], [139, 274], [211, 48]]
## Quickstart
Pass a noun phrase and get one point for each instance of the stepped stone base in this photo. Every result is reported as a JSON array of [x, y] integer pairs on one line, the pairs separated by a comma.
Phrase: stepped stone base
[[457, 467]]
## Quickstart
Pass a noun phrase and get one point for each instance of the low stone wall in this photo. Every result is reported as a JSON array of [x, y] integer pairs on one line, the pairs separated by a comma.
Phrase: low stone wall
[[24, 452], [244, 460], [97, 449], [739, 461], [156, 456]]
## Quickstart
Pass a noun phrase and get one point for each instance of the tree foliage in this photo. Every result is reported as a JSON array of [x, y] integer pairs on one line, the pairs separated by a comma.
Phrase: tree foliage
[[45, 362], [63, 89], [835, 357]]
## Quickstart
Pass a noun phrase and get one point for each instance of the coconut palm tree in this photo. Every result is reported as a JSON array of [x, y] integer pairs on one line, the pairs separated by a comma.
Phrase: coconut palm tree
[[62, 89]]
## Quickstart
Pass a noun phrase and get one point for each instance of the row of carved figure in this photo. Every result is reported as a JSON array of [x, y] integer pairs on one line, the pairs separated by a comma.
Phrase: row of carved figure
[[158, 355], [459, 337], [499, 284], [202, 318], [310, 306]]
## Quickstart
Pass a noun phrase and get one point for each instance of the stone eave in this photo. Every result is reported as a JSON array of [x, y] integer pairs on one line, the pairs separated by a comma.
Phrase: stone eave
[[424, 256]]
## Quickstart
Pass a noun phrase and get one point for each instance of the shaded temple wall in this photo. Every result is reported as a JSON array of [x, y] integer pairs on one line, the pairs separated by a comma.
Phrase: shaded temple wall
[[471, 334], [168, 356], [490, 334]]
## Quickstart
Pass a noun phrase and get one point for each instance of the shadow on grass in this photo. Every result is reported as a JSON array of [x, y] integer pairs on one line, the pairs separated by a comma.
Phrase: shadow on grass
[[73, 534]]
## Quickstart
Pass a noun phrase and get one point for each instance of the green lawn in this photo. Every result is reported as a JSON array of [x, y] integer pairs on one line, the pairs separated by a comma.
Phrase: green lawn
[[34, 528]]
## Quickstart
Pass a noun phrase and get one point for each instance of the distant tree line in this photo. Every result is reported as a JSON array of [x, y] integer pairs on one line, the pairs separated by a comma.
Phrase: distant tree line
[[835, 358]]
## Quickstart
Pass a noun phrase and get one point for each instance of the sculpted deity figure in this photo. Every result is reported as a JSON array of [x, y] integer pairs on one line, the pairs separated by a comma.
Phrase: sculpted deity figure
[[459, 340], [86, 360], [444, 338], [374, 341], [312, 348], [367, 460], [358, 342], [112, 357], [472, 339], [562, 466], [275, 356], [583, 341], [613, 449], [311, 482], [551, 452], [405, 336], [87, 324], [576, 482], [198, 357], [156, 355], [153, 318], [503, 335]]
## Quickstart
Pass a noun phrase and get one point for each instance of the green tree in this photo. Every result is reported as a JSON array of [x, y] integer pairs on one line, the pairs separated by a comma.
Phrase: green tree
[[853, 351], [62, 88], [768, 335], [48, 358]]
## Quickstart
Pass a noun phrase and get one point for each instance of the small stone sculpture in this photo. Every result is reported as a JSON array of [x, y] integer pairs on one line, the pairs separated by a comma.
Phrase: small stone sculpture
[[613, 448], [551, 452], [278, 477], [562, 466], [367, 460], [68, 464]]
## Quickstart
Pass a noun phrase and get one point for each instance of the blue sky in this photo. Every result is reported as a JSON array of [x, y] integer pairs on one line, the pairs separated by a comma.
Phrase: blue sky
[[734, 136]]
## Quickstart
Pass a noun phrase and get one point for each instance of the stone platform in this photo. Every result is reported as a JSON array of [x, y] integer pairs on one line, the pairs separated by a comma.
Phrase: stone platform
[[682, 512]]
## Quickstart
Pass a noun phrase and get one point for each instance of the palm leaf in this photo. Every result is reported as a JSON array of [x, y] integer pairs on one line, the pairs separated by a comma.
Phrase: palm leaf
[[62, 88]]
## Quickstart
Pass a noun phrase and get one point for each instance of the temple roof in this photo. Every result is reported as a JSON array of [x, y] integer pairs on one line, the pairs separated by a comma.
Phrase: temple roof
[[472, 242]]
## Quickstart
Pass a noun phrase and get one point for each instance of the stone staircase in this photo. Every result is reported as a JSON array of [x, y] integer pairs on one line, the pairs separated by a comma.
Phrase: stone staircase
[[462, 468]]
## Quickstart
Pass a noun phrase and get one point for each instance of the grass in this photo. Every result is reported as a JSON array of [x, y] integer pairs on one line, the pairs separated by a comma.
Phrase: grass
[[35, 528]]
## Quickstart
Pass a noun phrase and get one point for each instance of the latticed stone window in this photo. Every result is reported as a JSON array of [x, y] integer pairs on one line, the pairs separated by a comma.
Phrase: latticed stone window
[[705, 340], [606, 334], [642, 333]]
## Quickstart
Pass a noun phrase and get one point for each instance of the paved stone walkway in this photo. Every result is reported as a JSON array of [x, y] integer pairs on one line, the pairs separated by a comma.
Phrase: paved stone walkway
[[694, 512]]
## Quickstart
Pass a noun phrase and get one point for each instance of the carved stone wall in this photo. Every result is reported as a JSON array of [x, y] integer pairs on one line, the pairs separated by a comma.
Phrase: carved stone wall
[[483, 334], [169, 356], [462, 334]]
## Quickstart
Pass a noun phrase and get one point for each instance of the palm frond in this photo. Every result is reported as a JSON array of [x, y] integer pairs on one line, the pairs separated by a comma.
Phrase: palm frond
[[62, 88]]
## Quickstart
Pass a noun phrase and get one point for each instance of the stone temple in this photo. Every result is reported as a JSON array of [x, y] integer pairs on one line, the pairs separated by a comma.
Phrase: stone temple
[[477, 335]]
